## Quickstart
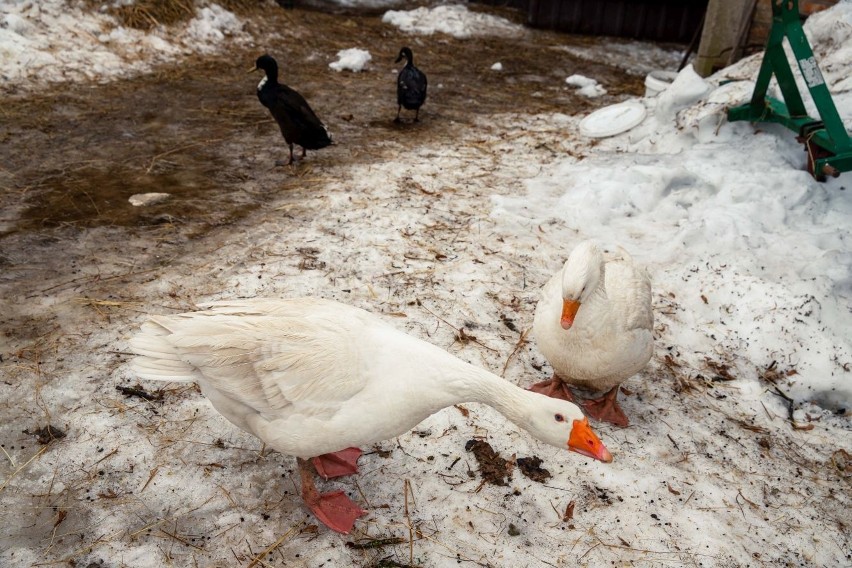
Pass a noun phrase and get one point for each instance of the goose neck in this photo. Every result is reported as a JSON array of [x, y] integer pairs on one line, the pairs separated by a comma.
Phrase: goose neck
[[485, 387]]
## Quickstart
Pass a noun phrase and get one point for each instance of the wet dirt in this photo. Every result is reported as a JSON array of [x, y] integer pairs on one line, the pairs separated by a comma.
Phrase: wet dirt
[[73, 154], [493, 468], [531, 467]]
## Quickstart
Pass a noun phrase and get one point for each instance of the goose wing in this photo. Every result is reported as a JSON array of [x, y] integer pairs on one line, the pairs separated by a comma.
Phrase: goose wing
[[628, 288], [272, 356]]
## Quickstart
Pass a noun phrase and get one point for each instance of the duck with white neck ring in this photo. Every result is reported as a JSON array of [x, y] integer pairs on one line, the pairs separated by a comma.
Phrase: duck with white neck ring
[[296, 119], [594, 324], [316, 378]]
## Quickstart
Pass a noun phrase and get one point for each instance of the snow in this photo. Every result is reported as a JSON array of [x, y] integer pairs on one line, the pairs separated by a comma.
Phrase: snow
[[751, 261], [585, 86], [210, 27], [145, 199], [53, 41], [452, 19], [367, 3], [637, 57], [497, 67], [353, 59]]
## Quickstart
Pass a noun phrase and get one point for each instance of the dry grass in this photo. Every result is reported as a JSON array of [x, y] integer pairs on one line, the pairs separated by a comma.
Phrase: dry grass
[[149, 14]]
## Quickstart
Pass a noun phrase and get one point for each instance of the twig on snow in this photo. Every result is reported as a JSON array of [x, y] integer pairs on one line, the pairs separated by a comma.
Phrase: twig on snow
[[257, 559], [522, 340]]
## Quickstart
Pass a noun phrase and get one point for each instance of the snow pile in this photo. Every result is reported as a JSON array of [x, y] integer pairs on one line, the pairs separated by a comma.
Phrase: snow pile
[[54, 41], [210, 27], [367, 3], [831, 31], [751, 257], [353, 59], [585, 86], [454, 20]]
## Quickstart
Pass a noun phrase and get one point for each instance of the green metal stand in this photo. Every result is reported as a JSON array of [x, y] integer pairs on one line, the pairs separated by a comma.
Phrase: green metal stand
[[827, 142]]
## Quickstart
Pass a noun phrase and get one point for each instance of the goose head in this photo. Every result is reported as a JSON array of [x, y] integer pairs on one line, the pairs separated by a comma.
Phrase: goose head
[[562, 424], [581, 276], [405, 53]]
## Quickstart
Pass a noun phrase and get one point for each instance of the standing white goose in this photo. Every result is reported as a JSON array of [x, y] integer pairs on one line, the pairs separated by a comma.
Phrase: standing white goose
[[594, 324], [313, 377]]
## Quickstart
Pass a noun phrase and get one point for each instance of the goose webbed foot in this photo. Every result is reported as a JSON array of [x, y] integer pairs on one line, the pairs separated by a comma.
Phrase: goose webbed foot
[[554, 388], [606, 408], [335, 510], [337, 464]]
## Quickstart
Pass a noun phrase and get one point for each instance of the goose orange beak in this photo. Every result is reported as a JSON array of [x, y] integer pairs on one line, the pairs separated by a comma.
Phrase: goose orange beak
[[585, 442], [569, 312]]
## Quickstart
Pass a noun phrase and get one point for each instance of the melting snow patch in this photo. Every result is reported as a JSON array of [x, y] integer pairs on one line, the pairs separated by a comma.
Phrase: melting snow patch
[[53, 41], [143, 199], [453, 20], [586, 86], [212, 25], [353, 59]]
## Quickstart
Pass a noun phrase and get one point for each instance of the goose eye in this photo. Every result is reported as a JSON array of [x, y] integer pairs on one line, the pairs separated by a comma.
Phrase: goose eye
[[559, 418]]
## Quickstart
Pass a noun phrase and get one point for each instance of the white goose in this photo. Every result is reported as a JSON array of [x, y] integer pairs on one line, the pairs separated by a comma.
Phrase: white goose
[[594, 324], [313, 377]]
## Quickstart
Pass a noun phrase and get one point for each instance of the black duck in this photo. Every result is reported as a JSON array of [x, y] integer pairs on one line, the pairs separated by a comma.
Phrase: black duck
[[298, 123], [410, 85]]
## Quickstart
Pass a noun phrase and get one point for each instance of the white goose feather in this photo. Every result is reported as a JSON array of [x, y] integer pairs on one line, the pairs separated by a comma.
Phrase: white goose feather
[[612, 335]]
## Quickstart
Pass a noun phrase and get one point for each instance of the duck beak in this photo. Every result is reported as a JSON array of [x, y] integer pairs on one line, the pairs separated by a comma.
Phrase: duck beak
[[583, 441], [252, 70], [569, 312]]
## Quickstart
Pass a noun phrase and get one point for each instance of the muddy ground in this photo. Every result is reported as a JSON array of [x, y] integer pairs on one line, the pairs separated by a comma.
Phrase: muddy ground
[[73, 154]]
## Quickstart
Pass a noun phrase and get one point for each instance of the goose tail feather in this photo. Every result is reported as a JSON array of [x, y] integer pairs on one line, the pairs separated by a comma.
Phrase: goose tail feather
[[157, 359]]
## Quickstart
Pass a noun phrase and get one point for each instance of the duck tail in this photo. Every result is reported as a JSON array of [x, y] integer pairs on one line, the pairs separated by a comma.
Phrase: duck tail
[[157, 359], [316, 138]]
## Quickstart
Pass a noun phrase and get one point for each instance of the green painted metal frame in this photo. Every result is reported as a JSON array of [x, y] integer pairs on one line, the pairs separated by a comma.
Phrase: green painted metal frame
[[827, 141]]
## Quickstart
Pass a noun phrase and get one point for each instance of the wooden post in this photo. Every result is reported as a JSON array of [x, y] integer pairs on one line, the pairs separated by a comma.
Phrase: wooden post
[[726, 26]]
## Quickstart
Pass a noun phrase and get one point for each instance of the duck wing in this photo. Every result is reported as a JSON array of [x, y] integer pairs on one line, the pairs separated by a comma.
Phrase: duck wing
[[298, 122], [411, 87]]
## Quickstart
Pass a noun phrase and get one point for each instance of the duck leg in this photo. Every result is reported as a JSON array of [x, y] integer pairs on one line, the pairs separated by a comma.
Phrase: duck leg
[[417, 116], [288, 162], [398, 110], [606, 408], [335, 510], [337, 464], [554, 388]]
